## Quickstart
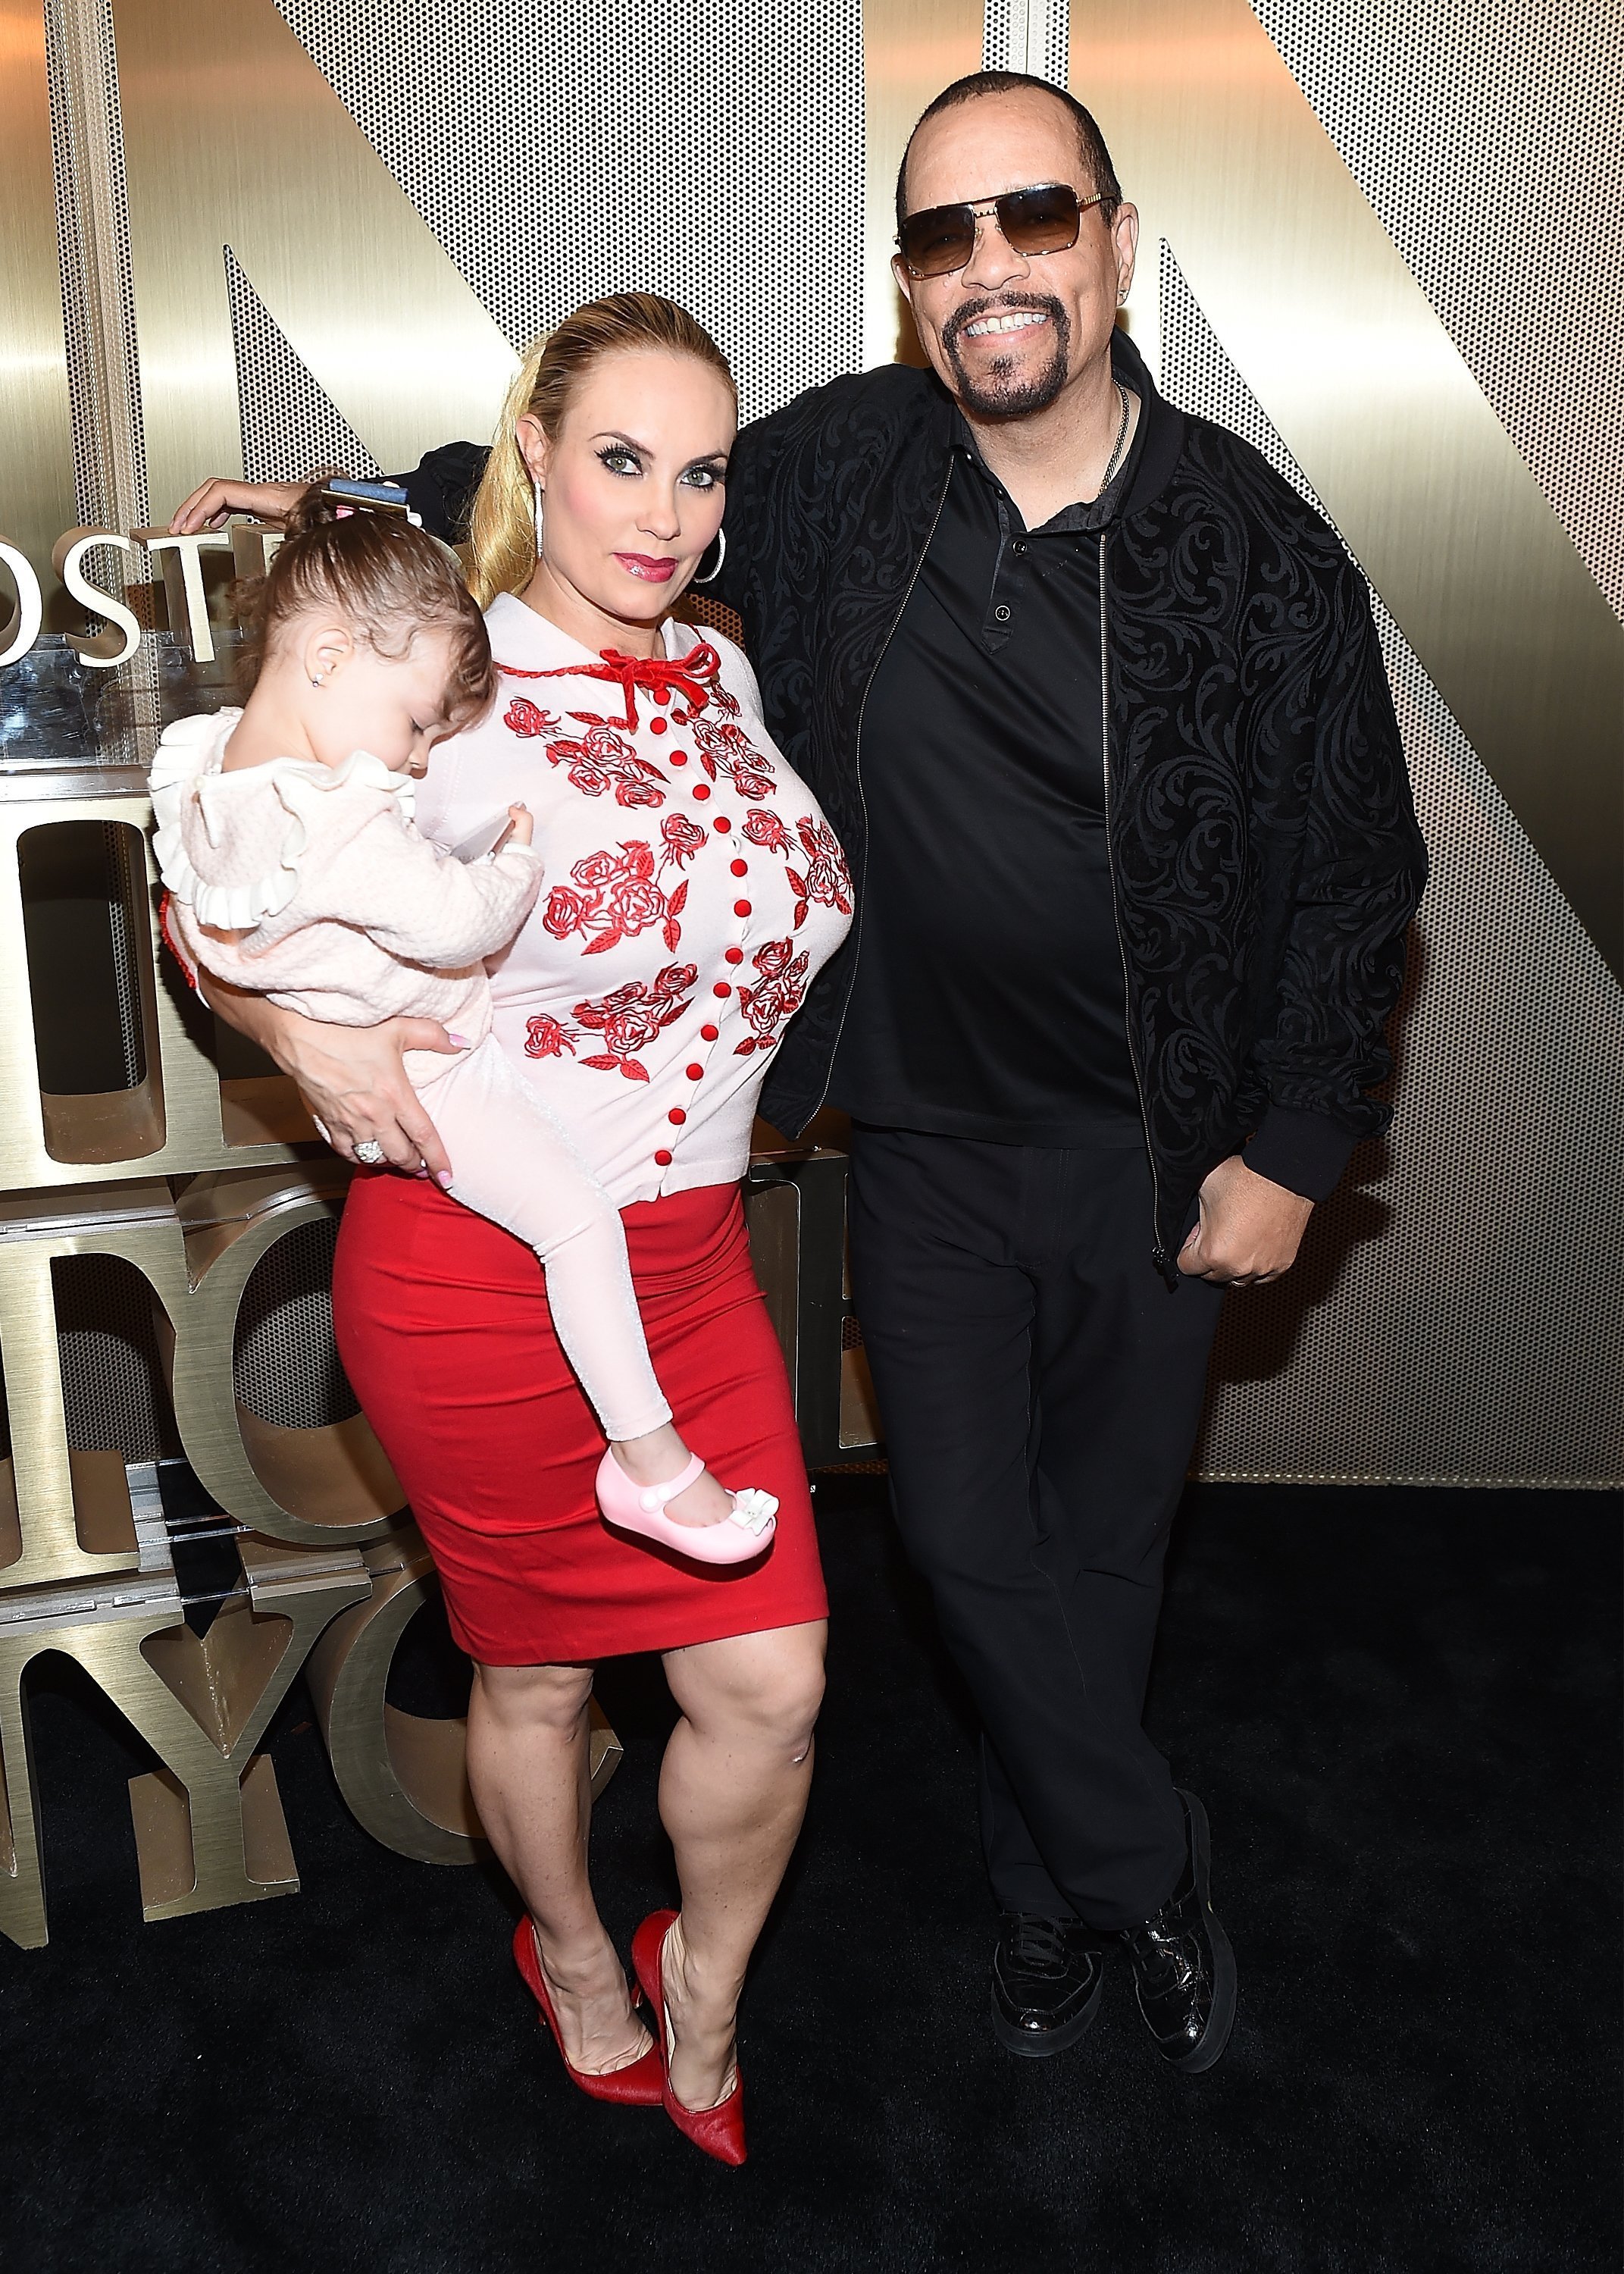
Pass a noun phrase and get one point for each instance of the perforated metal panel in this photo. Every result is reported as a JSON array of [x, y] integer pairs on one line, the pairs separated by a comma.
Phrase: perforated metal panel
[[711, 152], [1486, 137], [286, 1363], [1458, 1313], [277, 393]]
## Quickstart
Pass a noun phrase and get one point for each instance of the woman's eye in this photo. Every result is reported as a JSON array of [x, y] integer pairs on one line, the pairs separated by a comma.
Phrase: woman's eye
[[620, 461], [702, 477]]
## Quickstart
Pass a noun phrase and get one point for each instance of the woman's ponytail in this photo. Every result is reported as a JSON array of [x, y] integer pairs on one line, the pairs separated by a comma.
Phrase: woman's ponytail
[[501, 528]]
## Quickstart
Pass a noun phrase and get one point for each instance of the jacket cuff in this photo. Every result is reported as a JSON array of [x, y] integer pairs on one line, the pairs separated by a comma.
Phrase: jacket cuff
[[1306, 1152]]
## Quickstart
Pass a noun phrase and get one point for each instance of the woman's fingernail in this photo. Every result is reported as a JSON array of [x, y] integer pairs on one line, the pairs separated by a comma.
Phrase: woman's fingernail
[[444, 1180], [461, 1040]]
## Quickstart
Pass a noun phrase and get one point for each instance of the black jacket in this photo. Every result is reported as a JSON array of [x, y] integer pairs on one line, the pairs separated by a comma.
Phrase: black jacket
[[1264, 848]]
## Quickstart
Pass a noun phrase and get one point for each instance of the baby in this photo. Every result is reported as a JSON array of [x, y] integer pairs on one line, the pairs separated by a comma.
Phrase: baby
[[286, 841]]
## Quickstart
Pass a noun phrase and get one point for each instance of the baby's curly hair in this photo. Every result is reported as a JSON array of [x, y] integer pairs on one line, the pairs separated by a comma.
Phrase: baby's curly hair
[[384, 579]]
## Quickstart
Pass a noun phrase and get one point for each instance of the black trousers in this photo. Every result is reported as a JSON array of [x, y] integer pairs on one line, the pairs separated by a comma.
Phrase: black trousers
[[1040, 1387]]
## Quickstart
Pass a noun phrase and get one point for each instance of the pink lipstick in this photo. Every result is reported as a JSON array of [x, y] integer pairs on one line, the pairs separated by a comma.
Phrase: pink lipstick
[[647, 569]]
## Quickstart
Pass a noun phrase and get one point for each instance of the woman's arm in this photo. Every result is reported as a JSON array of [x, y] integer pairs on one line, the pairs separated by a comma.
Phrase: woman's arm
[[349, 1077]]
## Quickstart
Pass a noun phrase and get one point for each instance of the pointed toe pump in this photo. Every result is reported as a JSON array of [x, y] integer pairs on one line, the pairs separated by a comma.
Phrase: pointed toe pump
[[718, 2131], [640, 2084], [744, 1532]]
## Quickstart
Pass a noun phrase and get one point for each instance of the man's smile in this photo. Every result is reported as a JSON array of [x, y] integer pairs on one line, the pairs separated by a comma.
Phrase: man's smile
[[1016, 320]]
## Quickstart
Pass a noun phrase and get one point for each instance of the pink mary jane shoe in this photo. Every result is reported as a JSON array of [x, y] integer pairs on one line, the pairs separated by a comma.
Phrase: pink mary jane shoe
[[746, 1532]]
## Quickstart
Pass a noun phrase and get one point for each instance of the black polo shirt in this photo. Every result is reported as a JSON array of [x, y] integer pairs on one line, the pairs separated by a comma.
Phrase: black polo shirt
[[988, 997]]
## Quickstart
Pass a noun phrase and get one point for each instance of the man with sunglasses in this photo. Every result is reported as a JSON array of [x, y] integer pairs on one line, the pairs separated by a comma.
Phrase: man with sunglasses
[[1094, 703]]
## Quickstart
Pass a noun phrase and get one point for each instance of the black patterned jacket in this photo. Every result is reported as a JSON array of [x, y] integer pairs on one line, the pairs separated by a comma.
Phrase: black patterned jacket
[[1264, 848]]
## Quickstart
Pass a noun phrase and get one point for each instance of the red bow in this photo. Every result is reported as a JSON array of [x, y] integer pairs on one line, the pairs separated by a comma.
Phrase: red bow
[[692, 676]]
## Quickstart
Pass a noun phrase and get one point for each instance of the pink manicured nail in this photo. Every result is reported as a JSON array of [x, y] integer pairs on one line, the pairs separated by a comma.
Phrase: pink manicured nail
[[444, 1180], [461, 1040]]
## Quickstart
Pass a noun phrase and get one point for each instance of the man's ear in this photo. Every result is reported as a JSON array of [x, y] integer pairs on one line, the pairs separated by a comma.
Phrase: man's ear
[[323, 652], [1125, 235], [534, 446], [905, 282]]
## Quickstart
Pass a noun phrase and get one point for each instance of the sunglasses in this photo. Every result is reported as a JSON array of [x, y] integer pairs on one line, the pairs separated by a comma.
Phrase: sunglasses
[[1045, 220]]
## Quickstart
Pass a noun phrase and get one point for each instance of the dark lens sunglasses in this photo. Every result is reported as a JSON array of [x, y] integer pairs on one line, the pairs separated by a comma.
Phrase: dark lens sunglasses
[[1045, 220]]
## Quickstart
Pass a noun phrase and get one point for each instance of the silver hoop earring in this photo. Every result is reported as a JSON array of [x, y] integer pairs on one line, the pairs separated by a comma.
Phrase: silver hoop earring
[[721, 555], [535, 485]]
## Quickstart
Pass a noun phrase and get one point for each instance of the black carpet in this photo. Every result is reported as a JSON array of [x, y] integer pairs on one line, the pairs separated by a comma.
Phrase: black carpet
[[1402, 1709]]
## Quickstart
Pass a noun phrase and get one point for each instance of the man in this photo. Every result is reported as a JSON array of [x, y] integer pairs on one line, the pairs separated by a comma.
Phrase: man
[[1095, 705]]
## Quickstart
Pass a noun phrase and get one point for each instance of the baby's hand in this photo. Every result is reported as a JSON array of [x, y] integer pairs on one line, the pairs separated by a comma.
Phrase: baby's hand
[[521, 825]]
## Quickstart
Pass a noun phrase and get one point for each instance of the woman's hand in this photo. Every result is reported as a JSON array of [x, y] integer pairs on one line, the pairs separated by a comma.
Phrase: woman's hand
[[351, 1078], [212, 504]]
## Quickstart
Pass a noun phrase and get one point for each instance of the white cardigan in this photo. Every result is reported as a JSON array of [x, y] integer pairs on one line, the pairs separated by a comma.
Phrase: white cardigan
[[691, 891]]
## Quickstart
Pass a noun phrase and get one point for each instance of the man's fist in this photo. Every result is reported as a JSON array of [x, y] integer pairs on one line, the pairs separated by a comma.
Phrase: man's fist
[[1248, 1231]]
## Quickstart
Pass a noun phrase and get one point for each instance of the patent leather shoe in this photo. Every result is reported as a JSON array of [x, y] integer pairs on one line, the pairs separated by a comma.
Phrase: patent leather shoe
[[1047, 1976], [1183, 1968]]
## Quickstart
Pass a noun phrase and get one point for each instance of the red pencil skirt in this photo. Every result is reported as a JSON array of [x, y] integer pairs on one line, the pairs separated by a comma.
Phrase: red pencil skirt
[[443, 1327]]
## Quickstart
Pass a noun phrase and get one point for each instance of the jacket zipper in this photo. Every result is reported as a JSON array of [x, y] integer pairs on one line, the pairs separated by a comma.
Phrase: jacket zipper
[[862, 801], [1158, 1253]]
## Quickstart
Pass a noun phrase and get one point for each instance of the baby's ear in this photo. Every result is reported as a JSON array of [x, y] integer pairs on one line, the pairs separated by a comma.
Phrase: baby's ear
[[324, 650]]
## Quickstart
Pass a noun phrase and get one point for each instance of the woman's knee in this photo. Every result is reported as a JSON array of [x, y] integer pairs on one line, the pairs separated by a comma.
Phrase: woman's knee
[[768, 1686], [549, 1696]]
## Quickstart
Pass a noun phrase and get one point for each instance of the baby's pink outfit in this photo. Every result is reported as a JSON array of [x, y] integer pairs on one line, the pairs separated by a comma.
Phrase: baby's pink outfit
[[309, 884]]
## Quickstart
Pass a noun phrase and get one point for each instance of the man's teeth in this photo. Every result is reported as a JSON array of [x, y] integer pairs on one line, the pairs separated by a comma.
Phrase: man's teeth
[[1021, 322]]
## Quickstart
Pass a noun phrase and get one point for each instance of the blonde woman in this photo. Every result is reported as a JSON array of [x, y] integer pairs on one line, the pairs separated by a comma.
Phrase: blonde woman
[[680, 925]]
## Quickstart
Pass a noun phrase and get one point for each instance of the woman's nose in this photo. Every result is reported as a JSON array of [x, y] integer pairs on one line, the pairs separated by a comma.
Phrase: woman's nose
[[662, 520]]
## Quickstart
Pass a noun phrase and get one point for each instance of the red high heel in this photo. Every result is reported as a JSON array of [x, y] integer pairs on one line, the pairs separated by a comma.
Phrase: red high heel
[[719, 2131], [640, 2084]]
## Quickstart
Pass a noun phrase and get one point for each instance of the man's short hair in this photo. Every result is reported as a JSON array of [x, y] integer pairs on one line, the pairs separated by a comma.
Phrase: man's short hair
[[1096, 158]]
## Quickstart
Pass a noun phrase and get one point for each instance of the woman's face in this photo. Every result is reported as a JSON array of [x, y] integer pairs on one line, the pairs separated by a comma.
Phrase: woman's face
[[634, 481]]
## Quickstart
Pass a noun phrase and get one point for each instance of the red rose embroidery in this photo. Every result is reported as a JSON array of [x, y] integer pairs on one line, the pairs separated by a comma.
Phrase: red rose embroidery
[[727, 749], [825, 878], [633, 1017], [615, 896], [523, 717], [777, 993], [763, 828], [549, 1038], [605, 760], [681, 837]]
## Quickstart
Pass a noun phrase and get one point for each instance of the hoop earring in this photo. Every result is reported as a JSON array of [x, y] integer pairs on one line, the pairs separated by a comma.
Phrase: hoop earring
[[535, 485], [721, 555]]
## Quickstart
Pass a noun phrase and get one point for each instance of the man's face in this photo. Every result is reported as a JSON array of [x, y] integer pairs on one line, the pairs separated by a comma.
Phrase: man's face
[[1005, 334]]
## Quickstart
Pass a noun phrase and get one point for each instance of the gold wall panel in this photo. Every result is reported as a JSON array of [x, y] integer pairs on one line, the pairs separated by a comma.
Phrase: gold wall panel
[[36, 450], [1214, 141], [912, 50], [233, 136]]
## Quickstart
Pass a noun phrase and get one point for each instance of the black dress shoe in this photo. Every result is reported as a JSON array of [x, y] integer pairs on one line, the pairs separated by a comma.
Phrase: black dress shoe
[[1047, 1976], [1183, 1968]]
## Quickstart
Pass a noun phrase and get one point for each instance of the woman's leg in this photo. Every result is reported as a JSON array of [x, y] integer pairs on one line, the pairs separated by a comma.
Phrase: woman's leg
[[527, 1769], [732, 1792]]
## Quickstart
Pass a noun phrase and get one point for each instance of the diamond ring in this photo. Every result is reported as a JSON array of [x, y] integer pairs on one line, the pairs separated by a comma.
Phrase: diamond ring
[[370, 1151]]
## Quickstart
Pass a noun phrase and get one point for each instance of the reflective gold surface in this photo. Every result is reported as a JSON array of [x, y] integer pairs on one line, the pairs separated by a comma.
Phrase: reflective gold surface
[[912, 50], [233, 136], [1217, 144], [36, 436]]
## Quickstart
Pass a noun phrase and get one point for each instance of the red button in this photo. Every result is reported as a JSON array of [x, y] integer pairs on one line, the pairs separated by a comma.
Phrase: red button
[[701, 789], [740, 868], [696, 1073], [662, 695], [656, 725], [676, 758], [741, 907], [662, 1160], [733, 955], [710, 1034], [677, 1115], [721, 988], [722, 824]]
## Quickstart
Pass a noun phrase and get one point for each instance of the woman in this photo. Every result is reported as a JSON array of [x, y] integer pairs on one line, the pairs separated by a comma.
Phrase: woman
[[695, 889]]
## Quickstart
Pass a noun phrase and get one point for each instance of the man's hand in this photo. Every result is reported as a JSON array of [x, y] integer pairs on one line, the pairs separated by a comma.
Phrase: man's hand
[[1249, 1229], [212, 504], [351, 1078]]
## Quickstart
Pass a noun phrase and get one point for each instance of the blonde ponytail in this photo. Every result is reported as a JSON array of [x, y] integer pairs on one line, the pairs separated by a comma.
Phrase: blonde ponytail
[[502, 526]]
